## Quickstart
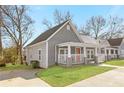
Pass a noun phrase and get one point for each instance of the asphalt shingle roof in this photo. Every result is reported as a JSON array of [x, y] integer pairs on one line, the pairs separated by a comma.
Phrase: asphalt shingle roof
[[115, 42], [45, 35]]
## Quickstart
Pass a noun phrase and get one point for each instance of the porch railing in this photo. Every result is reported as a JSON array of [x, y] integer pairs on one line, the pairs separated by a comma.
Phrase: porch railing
[[101, 57], [75, 58]]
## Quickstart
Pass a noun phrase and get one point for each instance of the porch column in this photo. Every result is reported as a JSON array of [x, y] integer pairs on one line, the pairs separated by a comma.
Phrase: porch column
[[109, 54], [105, 54], [114, 51], [109, 51], [85, 52], [85, 56], [69, 51], [69, 62], [96, 55]]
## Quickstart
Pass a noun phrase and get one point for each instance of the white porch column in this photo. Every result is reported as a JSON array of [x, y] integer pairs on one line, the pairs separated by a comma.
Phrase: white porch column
[[109, 51], [69, 61], [85, 55], [69, 51], [114, 51]]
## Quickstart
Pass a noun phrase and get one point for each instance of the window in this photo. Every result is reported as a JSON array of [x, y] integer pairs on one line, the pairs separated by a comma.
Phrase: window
[[39, 54], [92, 54], [68, 27], [107, 51], [112, 51], [88, 54], [61, 51], [102, 51], [116, 51]]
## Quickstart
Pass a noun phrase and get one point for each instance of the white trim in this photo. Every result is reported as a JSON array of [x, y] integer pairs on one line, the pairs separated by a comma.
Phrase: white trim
[[55, 53], [76, 32], [64, 49], [36, 44], [57, 31], [93, 50], [69, 51], [85, 51], [46, 54]]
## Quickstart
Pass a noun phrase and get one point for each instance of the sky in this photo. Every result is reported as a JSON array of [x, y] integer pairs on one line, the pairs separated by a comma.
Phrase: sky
[[80, 14]]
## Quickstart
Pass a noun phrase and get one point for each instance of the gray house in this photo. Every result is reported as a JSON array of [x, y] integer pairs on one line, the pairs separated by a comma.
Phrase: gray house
[[64, 45]]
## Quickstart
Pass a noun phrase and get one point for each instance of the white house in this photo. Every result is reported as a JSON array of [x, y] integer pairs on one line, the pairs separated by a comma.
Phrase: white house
[[64, 45]]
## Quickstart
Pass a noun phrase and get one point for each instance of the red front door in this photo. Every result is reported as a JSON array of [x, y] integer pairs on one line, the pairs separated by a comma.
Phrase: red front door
[[78, 52]]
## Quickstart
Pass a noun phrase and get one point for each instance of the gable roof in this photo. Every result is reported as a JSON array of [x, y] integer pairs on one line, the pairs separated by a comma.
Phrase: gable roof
[[45, 35], [103, 43], [115, 42], [88, 39]]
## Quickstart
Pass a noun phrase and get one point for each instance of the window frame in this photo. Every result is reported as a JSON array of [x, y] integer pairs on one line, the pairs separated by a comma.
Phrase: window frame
[[39, 54]]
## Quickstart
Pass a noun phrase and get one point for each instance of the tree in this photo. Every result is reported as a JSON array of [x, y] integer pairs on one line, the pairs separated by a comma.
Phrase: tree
[[47, 23], [95, 26], [85, 31], [59, 17], [17, 25], [115, 28]]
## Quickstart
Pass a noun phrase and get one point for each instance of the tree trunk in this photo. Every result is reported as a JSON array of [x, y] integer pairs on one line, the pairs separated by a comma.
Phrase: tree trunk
[[20, 49], [17, 49]]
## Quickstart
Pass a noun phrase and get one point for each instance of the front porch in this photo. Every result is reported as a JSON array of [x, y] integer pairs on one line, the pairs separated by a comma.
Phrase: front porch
[[73, 53]]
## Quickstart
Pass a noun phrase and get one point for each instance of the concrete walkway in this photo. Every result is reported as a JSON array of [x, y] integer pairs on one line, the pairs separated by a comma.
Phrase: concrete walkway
[[107, 65], [113, 78], [21, 78]]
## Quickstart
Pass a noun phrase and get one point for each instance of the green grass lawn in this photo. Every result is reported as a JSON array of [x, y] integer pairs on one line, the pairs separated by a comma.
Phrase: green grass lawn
[[59, 76], [13, 67], [117, 62]]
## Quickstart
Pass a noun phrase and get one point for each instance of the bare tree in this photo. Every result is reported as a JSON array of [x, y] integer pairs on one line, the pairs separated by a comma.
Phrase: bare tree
[[47, 23], [59, 17], [17, 25], [115, 28], [85, 31], [95, 26]]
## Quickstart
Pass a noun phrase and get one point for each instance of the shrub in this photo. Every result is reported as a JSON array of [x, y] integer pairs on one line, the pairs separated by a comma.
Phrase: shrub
[[2, 62], [10, 55], [35, 63]]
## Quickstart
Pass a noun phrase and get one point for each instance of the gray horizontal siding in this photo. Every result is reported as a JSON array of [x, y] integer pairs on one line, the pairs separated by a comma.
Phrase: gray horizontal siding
[[61, 37]]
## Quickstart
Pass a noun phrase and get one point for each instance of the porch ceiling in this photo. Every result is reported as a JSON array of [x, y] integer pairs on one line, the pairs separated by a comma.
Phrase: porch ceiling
[[77, 44]]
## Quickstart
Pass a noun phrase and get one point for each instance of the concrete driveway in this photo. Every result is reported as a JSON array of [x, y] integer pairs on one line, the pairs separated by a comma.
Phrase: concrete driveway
[[113, 78], [20, 78]]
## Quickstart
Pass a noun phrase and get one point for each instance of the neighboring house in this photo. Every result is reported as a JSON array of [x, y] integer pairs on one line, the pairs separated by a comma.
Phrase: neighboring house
[[63, 44]]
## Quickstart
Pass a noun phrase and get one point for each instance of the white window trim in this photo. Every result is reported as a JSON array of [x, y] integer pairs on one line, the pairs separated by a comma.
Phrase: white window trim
[[46, 54]]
